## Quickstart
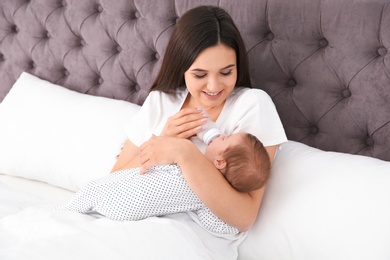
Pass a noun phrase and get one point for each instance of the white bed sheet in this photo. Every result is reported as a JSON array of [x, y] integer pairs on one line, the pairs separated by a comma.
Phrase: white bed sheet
[[31, 229], [39, 189]]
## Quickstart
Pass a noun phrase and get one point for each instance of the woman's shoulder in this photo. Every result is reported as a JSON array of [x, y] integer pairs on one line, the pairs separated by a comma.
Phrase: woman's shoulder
[[249, 95], [175, 96]]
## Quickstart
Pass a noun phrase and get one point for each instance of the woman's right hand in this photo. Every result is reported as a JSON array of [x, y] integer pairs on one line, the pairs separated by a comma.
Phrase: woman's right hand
[[160, 150], [185, 123]]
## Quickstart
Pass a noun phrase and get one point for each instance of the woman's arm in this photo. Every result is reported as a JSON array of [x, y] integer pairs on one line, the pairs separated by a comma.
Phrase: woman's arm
[[235, 208], [128, 157], [184, 124]]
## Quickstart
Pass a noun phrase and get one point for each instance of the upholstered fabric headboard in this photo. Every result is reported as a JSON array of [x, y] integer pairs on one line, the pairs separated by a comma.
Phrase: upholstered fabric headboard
[[325, 63]]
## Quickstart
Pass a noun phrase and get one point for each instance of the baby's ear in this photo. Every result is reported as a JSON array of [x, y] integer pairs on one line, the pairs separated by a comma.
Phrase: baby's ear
[[220, 163]]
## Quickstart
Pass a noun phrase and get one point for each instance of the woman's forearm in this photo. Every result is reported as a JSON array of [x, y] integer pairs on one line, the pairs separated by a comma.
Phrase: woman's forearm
[[235, 208], [128, 157]]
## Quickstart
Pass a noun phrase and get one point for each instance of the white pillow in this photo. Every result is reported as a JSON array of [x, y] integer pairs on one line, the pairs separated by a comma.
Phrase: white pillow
[[55, 135], [322, 205]]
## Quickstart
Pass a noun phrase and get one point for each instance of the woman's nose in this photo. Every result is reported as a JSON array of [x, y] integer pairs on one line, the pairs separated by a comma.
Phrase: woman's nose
[[213, 84]]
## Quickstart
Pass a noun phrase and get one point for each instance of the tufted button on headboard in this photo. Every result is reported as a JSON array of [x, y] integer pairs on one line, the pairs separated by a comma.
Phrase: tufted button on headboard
[[325, 63]]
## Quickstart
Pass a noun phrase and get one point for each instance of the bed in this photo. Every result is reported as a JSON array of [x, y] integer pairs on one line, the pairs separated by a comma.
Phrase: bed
[[73, 72]]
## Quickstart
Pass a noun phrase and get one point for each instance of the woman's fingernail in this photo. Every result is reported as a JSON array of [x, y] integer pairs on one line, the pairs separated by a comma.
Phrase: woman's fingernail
[[203, 111]]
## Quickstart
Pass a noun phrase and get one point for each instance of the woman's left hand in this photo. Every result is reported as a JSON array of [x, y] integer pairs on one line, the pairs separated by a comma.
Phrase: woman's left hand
[[159, 150]]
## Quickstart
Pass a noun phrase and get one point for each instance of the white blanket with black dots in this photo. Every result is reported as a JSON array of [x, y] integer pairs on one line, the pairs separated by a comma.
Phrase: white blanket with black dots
[[128, 195]]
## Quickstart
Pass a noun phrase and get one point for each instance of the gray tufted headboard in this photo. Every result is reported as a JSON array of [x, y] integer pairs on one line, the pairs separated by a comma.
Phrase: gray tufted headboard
[[325, 63]]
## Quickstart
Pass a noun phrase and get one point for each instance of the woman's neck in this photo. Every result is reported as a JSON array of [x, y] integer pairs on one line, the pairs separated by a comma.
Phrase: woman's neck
[[213, 112]]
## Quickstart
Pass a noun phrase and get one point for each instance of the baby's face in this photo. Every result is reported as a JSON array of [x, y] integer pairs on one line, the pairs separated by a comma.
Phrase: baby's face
[[218, 146]]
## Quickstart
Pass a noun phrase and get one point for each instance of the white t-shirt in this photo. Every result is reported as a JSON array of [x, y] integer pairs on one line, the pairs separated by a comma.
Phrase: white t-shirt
[[245, 110], [248, 110]]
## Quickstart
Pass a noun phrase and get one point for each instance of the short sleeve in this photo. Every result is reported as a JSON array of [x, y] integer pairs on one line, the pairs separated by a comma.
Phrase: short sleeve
[[140, 127], [254, 112]]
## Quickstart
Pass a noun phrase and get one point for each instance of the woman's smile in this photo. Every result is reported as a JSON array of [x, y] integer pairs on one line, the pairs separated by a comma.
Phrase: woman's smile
[[213, 95]]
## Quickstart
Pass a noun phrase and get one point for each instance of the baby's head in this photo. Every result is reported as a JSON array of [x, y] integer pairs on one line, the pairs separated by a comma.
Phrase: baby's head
[[243, 160]]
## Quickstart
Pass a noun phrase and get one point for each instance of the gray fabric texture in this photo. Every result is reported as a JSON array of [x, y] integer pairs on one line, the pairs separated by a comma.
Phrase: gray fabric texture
[[325, 63]]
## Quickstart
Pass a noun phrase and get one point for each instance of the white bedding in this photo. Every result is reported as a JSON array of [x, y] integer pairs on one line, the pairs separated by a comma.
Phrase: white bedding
[[30, 229], [37, 189]]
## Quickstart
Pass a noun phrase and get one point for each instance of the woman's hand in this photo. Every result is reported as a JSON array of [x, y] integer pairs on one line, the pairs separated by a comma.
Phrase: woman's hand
[[128, 157], [184, 124], [159, 150]]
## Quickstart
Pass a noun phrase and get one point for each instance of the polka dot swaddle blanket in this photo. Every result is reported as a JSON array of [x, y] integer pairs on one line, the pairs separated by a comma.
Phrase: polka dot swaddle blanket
[[128, 195]]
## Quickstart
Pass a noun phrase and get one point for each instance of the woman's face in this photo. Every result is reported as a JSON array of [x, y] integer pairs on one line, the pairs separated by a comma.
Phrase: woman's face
[[212, 77]]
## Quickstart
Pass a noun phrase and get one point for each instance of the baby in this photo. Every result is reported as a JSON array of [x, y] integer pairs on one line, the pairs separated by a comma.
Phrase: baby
[[162, 190]]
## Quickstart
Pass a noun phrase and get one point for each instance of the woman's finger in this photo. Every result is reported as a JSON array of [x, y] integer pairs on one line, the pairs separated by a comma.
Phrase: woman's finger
[[185, 123], [159, 151]]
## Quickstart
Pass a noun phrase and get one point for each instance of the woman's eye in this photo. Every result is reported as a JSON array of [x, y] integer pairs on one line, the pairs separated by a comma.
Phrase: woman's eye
[[199, 76], [226, 73]]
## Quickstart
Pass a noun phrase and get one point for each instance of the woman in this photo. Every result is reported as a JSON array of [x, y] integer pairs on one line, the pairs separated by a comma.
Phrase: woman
[[205, 65]]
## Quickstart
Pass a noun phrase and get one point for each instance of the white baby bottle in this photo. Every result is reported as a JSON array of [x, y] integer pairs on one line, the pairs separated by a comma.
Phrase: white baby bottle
[[209, 130]]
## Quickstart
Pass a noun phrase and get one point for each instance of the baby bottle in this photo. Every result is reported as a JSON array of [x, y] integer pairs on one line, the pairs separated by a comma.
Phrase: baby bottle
[[209, 130]]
